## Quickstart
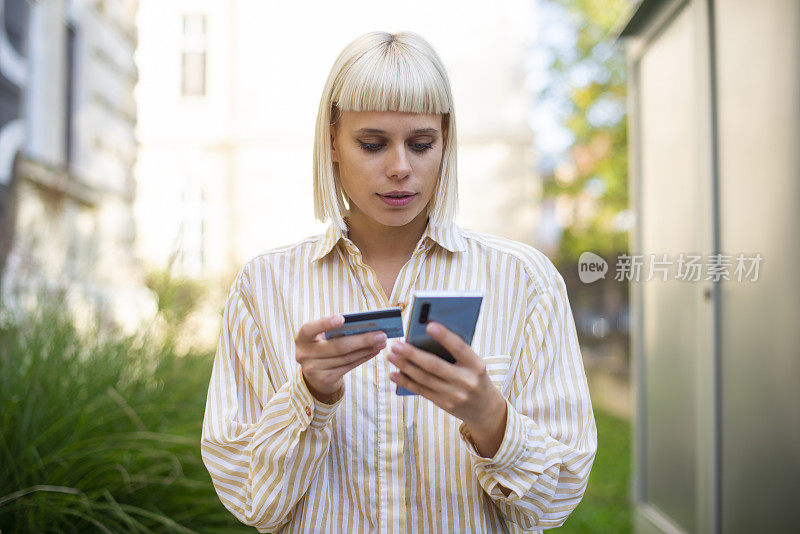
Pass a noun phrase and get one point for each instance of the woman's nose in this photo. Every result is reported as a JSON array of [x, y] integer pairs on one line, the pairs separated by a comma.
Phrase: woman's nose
[[398, 163]]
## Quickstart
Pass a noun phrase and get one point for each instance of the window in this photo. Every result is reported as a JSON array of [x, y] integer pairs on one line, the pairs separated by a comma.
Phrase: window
[[69, 95], [193, 55]]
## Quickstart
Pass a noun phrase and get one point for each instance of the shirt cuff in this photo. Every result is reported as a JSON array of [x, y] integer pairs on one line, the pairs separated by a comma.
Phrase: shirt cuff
[[491, 472], [310, 411]]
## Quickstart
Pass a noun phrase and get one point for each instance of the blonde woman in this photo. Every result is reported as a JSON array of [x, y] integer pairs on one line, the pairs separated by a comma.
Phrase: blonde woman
[[304, 434]]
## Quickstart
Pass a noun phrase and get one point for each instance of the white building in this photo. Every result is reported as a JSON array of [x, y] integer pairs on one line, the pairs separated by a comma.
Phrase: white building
[[66, 157], [228, 96]]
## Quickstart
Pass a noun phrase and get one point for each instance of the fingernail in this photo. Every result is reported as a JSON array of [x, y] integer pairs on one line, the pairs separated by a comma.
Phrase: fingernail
[[433, 328], [379, 337]]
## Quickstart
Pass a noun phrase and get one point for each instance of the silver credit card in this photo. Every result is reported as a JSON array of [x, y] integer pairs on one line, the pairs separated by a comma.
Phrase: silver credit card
[[387, 319]]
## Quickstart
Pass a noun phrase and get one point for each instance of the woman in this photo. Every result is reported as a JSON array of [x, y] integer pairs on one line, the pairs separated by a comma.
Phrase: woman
[[302, 434]]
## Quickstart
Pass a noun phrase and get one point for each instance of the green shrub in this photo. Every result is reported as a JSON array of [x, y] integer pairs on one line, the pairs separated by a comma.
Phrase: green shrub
[[605, 507], [176, 296], [101, 435]]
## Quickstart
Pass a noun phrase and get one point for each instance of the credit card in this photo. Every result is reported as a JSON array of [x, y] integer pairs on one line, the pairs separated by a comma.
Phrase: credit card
[[387, 319]]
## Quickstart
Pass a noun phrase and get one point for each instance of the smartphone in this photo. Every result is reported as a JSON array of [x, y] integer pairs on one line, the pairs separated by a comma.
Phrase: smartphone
[[458, 311]]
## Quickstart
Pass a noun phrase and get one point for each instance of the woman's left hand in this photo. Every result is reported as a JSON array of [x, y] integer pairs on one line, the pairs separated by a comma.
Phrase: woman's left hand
[[462, 389]]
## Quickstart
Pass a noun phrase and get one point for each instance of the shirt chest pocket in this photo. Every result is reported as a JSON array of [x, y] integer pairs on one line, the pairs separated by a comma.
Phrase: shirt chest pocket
[[498, 368]]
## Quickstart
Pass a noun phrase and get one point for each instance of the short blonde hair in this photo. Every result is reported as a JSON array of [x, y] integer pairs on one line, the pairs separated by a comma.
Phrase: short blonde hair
[[381, 71]]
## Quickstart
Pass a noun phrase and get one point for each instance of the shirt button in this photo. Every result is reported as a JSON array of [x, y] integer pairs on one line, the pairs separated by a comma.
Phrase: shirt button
[[308, 411]]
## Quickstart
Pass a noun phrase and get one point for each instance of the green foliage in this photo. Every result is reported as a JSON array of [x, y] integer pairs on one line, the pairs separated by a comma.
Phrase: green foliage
[[597, 119], [176, 296], [605, 507], [101, 434]]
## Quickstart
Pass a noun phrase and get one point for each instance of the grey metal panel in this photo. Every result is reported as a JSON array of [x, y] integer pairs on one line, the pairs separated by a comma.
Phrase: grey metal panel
[[648, 520], [643, 13], [707, 477], [674, 219], [758, 60]]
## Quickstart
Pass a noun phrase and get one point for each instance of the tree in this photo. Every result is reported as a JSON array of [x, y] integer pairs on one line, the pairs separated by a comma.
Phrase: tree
[[591, 182]]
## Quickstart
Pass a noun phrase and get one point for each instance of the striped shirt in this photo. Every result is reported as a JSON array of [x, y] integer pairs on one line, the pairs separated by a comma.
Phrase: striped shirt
[[373, 461]]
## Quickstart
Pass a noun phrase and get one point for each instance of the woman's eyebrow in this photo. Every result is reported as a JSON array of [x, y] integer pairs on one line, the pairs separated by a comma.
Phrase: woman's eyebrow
[[414, 132]]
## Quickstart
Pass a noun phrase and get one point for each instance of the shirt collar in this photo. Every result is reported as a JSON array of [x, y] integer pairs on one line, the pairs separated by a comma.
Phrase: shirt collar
[[447, 236]]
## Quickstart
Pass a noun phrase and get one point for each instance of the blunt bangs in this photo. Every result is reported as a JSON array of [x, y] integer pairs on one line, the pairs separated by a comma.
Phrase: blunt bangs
[[392, 78]]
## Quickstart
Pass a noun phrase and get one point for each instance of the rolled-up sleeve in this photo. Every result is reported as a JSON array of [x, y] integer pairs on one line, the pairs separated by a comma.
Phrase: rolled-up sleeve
[[262, 447], [550, 439]]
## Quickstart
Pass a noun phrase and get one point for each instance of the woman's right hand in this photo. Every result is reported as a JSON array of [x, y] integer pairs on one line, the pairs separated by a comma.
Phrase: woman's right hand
[[325, 361]]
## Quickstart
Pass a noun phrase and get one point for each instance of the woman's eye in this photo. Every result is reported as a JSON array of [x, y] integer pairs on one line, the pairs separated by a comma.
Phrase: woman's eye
[[371, 147], [422, 147], [416, 147]]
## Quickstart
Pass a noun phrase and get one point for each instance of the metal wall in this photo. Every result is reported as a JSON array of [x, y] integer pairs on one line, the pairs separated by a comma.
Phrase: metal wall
[[715, 168], [758, 102]]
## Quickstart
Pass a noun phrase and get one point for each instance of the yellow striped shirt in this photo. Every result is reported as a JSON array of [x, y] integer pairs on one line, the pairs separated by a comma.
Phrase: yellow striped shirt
[[376, 462]]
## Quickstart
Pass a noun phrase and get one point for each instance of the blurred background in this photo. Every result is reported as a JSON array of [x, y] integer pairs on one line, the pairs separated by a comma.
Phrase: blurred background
[[149, 148]]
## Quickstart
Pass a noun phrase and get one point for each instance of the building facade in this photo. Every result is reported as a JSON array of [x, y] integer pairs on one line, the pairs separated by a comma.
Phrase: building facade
[[67, 149]]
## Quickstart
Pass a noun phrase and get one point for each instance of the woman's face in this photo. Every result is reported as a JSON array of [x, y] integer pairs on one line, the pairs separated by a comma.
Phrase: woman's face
[[379, 152]]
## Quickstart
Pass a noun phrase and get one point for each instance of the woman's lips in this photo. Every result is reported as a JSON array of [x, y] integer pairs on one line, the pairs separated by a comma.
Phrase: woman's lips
[[402, 201]]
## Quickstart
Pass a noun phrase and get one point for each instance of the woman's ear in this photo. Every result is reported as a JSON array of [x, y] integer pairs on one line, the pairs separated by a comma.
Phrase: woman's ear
[[334, 153]]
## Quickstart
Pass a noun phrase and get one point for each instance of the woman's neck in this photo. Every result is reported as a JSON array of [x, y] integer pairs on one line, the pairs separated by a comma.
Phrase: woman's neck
[[385, 244]]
